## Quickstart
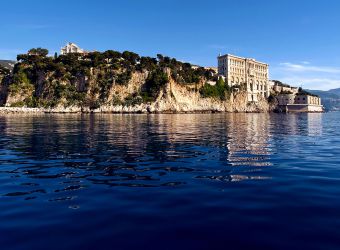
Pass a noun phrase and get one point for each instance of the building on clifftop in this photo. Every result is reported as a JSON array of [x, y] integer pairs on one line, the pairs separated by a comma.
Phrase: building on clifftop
[[71, 48], [245, 71]]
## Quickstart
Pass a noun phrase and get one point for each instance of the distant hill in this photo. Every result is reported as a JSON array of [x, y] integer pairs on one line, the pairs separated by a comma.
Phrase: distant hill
[[7, 64], [335, 91], [330, 98]]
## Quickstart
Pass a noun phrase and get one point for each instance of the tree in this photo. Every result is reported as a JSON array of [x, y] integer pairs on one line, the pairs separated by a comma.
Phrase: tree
[[22, 57], [160, 57], [111, 54], [148, 63], [70, 60], [221, 90], [55, 55], [156, 80], [220, 82], [38, 52], [133, 58]]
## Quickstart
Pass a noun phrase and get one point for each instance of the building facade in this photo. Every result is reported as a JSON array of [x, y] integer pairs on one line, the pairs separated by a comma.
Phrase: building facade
[[307, 99], [286, 99], [252, 74], [299, 103], [71, 48], [282, 88], [213, 69]]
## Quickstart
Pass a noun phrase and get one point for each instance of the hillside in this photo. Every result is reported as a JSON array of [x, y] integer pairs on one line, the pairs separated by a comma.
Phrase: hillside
[[117, 82], [330, 98], [7, 64], [335, 91]]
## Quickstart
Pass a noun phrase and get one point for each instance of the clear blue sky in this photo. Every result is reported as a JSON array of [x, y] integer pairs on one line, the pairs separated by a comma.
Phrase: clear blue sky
[[300, 39]]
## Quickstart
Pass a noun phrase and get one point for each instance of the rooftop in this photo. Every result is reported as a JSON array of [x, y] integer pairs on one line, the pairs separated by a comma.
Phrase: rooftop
[[242, 58]]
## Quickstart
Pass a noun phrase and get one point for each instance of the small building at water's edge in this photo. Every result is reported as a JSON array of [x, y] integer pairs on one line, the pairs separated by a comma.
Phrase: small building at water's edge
[[299, 102]]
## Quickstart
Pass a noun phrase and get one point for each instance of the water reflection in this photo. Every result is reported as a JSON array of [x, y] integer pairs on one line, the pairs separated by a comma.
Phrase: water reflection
[[314, 125], [60, 155], [249, 140]]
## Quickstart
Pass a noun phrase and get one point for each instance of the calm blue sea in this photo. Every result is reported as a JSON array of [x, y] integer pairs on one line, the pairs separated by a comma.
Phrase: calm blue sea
[[182, 181]]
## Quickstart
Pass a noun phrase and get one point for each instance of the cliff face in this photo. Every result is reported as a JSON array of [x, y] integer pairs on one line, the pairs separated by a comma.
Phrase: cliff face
[[177, 98], [173, 97], [4, 82]]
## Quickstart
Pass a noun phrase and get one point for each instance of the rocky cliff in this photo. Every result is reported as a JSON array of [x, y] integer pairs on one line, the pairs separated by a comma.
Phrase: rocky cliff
[[119, 83], [172, 97]]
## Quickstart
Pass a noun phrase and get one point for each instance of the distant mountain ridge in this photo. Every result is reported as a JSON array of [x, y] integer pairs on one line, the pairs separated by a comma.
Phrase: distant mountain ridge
[[8, 64], [330, 99], [336, 91]]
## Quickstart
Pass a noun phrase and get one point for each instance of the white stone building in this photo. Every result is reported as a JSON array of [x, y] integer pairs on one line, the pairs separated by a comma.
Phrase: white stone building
[[297, 102], [71, 48], [252, 74]]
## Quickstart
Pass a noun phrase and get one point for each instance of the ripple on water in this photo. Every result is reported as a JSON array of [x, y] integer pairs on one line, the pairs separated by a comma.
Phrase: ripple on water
[[181, 179]]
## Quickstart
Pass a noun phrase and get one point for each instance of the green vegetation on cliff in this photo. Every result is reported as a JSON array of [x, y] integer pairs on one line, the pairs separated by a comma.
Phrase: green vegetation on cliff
[[153, 84], [87, 79], [220, 91]]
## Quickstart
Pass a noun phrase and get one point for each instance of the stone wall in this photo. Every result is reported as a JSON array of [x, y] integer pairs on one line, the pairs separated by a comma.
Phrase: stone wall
[[301, 108]]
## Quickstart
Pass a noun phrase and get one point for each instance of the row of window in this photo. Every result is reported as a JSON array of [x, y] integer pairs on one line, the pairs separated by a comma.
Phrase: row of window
[[253, 97], [236, 63], [254, 66], [242, 72], [302, 100], [311, 100], [258, 87], [260, 75], [260, 68], [239, 71], [242, 64], [241, 80]]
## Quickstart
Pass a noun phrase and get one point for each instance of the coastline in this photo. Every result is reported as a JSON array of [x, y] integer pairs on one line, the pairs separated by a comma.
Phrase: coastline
[[112, 110], [121, 110]]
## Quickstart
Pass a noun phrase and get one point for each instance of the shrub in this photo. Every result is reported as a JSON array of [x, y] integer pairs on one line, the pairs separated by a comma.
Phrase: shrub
[[21, 83], [221, 90], [116, 101], [124, 78], [18, 104], [133, 100], [155, 81]]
